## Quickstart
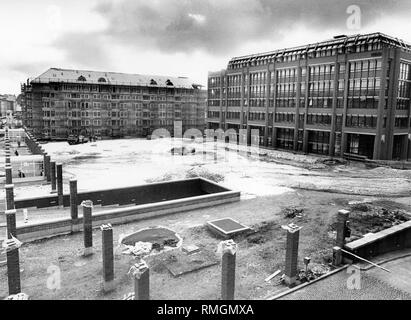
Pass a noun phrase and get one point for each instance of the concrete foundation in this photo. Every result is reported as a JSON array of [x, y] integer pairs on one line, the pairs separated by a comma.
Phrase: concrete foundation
[[141, 274], [59, 169], [108, 257], [291, 255], [229, 250], [53, 177]]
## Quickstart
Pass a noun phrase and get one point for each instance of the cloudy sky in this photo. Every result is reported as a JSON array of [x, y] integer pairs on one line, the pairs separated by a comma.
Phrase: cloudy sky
[[172, 37]]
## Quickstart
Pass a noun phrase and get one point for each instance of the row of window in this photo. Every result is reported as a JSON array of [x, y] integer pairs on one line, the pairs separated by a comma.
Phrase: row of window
[[318, 142], [321, 89], [363, 102], [233, 115], [319, 119], [258, 77], [257, 91], [405, 71], [401, 122], [122, 89], [285, 138], [256, 116], [234, 80], [364, 87], [288, 75], [361, 121], [284, 117]]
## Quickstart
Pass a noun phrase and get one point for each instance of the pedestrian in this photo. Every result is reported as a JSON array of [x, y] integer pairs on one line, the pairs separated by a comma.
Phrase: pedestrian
[[26, 215], [16, 152], [20, 174]]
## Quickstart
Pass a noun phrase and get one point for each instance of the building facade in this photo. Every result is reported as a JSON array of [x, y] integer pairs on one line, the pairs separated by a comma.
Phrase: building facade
[[7, 104], [62, 102], [346, 96]]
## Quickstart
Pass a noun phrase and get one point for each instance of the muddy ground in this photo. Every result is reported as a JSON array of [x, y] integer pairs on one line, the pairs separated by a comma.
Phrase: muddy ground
[[260, 253]]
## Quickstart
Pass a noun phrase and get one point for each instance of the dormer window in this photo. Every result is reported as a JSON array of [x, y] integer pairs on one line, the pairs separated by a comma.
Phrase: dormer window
[[101, 79], [81, 78], [153, 82], [169, 83]]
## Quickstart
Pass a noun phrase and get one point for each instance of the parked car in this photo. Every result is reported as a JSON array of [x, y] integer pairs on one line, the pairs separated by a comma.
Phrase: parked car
[[72, 139]]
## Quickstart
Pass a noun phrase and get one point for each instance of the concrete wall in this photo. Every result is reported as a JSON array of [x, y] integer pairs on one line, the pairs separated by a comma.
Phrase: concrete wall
[[125, 215], [142, 194], [391, 239]]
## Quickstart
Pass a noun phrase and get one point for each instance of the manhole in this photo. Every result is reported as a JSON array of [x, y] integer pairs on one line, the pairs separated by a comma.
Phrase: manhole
[[226, 227]]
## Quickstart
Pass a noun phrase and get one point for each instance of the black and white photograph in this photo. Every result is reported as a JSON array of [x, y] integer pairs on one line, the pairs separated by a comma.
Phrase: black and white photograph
[[205, 155]]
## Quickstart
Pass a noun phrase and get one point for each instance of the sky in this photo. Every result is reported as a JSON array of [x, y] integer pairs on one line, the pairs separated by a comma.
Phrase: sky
[[174, 37]]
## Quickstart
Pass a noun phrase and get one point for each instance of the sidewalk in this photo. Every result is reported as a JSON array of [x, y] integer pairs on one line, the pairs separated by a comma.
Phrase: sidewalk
[[374, 283]]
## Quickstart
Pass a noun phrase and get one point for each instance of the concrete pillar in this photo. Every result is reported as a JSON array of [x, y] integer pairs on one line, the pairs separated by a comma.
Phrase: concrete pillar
[[59, 169], [9, 196], [73, 199], [53, 176], [13, 266], [11, 223], [342, 218], [141, 274], [108, 257], [9, 174], [75, 226], [291, 254], [87, 227], [46, 171], [229, 250], [337, 256]]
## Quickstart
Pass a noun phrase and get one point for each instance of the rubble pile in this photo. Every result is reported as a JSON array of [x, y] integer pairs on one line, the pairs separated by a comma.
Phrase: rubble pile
[[293, 212], [369, 218], [204, 173], [314, 271]]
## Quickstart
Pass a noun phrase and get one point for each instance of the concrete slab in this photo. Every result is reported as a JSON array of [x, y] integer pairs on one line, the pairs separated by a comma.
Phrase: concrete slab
[[179, 263], [226, 227], [190, 249]]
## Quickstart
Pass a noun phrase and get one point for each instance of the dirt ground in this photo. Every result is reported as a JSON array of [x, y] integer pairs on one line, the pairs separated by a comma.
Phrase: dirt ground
[[259, 254]]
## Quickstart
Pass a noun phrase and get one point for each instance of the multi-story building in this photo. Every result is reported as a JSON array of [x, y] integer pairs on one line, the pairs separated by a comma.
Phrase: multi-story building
[[346, 96], [7, 104], [62, 102]]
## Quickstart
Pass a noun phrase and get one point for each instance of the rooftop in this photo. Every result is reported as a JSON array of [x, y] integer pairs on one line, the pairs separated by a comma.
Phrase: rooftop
[[339, 41], [54, 75]]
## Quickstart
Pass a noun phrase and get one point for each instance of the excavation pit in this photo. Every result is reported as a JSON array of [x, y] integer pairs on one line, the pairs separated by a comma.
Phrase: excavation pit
[[152, 240]]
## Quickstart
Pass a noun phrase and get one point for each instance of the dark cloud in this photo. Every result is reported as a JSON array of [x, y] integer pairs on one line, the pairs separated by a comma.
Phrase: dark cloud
[[216, 26], [84, 50], [169, 26]]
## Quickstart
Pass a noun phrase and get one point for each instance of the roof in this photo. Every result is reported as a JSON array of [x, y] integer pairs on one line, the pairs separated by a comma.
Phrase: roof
[[116, 78], [336, 42]]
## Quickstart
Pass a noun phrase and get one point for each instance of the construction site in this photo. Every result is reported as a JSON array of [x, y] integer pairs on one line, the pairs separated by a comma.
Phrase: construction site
[[128, 219]]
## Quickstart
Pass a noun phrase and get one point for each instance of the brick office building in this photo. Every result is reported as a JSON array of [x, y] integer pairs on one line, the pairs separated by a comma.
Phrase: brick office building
[[346, 96], [61, 102]]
